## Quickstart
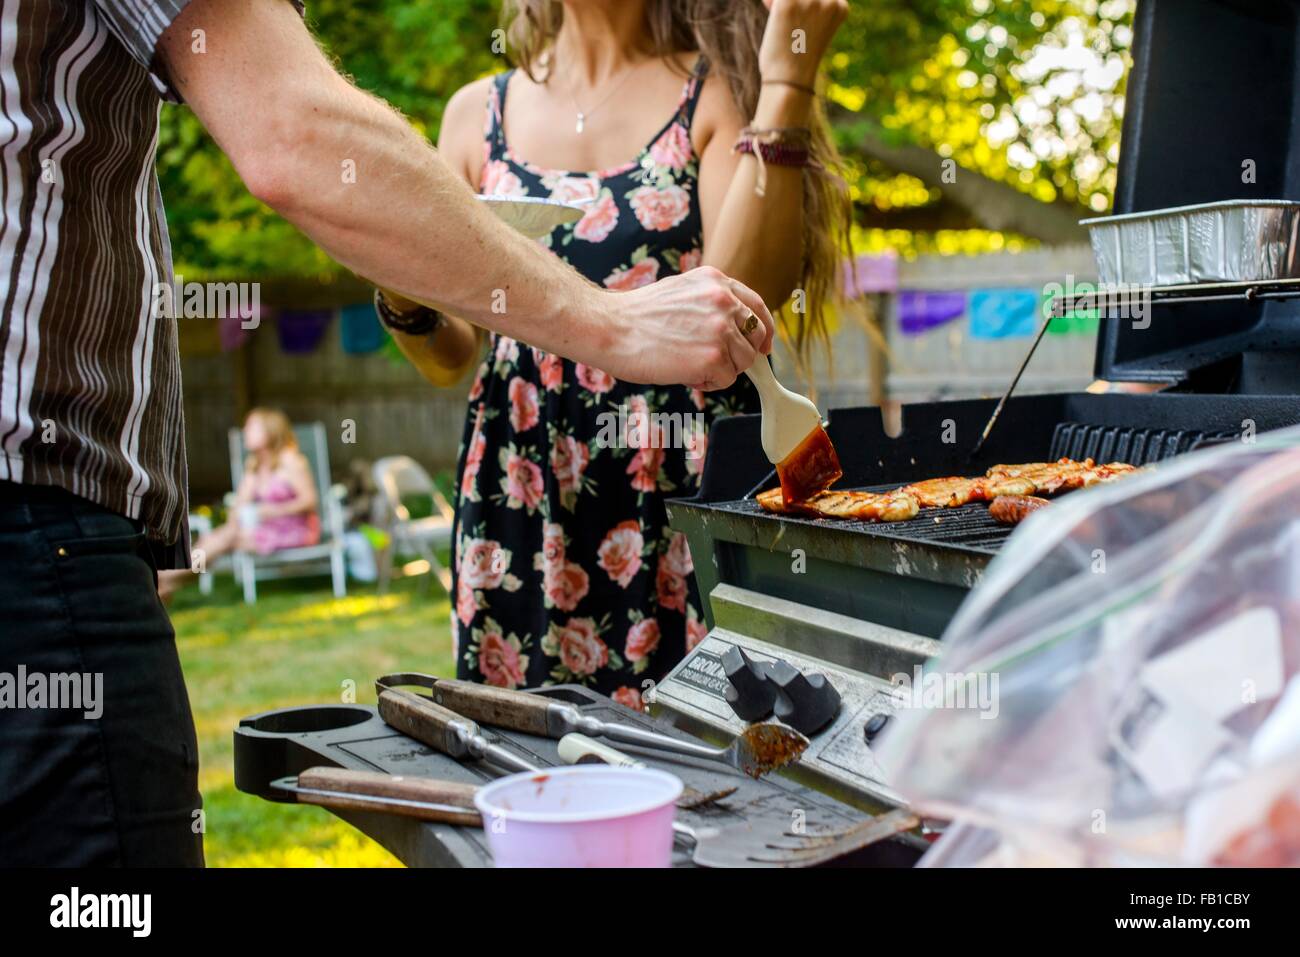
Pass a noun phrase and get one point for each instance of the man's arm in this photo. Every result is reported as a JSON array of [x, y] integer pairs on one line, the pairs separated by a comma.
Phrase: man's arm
[[354, 176]]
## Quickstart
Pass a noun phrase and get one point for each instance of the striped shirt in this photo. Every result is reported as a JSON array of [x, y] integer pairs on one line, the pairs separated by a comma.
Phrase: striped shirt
[[90, 384]]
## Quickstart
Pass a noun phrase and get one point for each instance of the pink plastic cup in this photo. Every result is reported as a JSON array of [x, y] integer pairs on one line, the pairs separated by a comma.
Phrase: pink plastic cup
[[583, 816]]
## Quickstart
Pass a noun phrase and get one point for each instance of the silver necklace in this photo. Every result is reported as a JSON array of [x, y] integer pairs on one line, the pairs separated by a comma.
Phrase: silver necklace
[[582, 114]]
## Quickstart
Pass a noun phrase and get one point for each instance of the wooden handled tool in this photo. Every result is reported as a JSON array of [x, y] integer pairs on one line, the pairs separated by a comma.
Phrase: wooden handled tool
[[495, 706], [447, 731], [429, 799]]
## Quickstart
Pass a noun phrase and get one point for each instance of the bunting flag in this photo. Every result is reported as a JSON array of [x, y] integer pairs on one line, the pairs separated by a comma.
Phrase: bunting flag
[[1004, 313], [870, 274], [301, 330], [919, 312], [360, 329], [234, 330], [1080, 322], [232, 333]]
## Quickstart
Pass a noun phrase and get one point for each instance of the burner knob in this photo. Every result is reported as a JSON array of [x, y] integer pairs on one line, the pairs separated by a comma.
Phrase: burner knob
[[875, 724], [806, 703], [751, 692]]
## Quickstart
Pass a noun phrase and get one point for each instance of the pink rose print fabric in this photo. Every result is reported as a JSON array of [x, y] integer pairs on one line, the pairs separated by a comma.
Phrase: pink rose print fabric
[[566, 570]]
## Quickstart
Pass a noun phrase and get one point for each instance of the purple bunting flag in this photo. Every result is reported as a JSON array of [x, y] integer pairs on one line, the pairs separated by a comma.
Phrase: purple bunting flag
[[919, 312]]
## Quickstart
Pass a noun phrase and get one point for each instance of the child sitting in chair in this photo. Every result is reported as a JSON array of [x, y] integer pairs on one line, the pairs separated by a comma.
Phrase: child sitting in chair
[[275, 505]]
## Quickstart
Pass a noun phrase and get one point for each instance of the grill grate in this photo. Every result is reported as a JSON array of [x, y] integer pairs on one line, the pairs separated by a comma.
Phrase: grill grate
[[1136, 446], [970, 526]]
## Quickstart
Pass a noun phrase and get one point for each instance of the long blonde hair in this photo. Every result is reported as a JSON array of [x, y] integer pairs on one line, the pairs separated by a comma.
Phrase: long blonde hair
[[728, 34], [280, 440]]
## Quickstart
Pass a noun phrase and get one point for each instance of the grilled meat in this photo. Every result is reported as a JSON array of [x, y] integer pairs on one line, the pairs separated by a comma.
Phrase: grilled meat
[[853, 506], [991, 487], [1012, 488], [1049, 478], [1014, 509], [945, 492]]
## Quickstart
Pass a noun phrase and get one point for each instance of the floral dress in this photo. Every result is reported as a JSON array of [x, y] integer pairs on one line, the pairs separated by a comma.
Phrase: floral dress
[[565, 568]]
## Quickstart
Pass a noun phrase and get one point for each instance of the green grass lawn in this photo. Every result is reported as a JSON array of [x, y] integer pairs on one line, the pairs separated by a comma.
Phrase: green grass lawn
[[298, 645]]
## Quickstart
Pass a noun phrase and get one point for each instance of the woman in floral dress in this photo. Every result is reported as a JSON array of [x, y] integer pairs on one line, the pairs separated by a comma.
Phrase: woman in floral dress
[[565, 568]]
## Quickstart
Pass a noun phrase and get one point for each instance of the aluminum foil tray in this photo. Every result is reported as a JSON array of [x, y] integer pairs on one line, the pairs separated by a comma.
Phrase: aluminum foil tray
[[1232, 241]]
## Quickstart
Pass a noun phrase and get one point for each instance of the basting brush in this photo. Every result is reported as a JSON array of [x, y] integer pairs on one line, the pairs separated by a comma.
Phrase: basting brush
[[793, 438]]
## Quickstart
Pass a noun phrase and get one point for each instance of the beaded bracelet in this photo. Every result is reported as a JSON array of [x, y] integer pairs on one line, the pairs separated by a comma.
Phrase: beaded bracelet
[[780, 146]]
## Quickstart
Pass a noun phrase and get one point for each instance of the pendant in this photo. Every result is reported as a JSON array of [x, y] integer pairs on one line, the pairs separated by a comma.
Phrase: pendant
[[582, 121]]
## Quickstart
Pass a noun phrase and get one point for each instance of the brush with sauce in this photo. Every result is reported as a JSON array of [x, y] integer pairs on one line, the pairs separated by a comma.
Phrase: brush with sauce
[[793, 438]]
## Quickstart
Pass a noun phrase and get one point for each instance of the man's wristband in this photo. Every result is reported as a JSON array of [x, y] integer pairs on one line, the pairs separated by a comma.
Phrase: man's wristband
[[420, 321]]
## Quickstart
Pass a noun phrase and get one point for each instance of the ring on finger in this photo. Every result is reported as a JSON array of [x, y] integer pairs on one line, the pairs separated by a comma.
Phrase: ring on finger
[[750, 324]]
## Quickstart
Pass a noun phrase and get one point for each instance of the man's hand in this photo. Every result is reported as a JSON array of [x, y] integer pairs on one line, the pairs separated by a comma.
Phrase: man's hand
[[688, 329]]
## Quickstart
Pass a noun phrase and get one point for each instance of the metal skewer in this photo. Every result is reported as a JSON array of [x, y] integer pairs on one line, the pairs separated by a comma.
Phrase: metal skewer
[[997, 410]]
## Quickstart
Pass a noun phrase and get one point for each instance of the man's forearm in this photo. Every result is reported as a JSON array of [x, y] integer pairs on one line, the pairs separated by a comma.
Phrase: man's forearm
[[407, 222]]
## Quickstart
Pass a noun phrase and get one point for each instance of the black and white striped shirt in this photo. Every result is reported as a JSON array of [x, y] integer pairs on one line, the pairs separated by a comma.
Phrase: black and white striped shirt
[[90, 386], [90, 383]]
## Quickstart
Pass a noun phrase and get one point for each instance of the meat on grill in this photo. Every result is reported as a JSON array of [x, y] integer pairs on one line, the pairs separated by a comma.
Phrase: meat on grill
[[945, 492], [1051, 477], [855, 506], [1011, 482], [1014, 509]]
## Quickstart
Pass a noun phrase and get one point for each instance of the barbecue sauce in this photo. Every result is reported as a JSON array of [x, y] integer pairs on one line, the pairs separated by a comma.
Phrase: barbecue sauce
[[812, 467]]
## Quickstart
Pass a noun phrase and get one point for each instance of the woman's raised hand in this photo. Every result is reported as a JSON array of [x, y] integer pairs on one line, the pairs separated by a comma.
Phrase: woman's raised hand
[[791, 56]]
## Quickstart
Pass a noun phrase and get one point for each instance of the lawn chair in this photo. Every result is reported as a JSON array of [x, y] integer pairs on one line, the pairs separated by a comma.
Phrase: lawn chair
[[399, 480], [325, 557]]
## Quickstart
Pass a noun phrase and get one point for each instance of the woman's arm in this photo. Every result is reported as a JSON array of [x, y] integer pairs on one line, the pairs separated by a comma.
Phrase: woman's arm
[[759, 239], [444, 356], [244, 493], [304, 500]]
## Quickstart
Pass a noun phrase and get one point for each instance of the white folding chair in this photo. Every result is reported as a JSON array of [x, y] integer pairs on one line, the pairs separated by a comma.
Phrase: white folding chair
[[398, 480]]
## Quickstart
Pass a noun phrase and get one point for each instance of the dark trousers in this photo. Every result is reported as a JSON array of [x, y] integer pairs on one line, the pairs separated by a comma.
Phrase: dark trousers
[[78, 597]]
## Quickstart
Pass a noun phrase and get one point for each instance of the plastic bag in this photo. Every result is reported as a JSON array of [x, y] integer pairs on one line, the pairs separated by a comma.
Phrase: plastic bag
[[1143, 641]]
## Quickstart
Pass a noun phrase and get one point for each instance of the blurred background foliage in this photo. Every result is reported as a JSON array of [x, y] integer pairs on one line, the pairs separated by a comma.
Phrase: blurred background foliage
[[1023, 98]]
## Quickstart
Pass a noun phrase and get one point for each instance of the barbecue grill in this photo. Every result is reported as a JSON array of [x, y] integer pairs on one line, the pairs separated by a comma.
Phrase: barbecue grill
[[862, 602]]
